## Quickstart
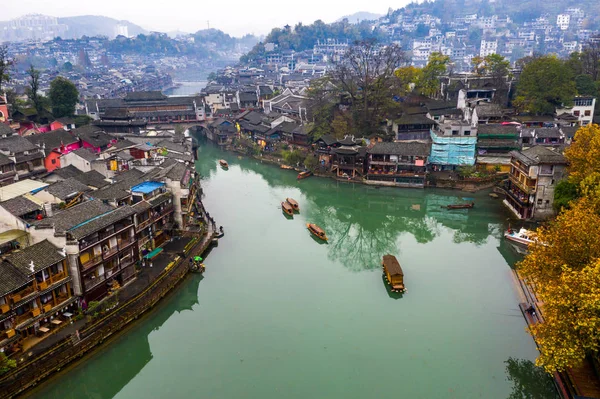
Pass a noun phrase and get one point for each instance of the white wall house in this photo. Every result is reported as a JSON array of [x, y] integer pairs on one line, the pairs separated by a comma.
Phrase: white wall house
[[488, 47], [583, 108], [563, 21]]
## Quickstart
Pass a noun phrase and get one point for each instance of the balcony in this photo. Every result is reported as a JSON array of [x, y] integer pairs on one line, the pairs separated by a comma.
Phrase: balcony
[[57, 277], [144, 224], [4, 308], [525, 188], [91, 262], [110, 252], [382, 162], [94, 282], [22, 318], [19, 296], [122, 244]]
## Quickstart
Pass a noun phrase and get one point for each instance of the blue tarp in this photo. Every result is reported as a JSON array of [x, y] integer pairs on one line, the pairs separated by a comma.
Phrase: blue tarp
[[146, 187], [453, 150]]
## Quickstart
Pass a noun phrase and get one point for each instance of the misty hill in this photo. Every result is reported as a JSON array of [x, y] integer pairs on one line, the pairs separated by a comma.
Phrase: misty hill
[[360, 16], [96, 25]]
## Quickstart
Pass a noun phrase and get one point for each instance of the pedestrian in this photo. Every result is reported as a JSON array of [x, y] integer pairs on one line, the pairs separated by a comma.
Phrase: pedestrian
[[150, 263]]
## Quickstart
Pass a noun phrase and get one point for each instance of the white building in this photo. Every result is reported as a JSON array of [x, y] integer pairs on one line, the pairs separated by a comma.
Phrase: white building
[[122, 30], [563, 21], [488, 47], [583, 109]]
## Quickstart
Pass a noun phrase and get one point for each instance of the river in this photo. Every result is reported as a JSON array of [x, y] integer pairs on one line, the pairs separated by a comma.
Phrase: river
[[186, 88], [279, 315]]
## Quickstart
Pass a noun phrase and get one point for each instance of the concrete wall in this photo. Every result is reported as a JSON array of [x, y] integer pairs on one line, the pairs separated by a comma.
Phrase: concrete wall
[[75, 160]]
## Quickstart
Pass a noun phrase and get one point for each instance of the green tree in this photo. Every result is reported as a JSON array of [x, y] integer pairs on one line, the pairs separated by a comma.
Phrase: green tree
[[586, 85], [429, 84], [33, 90], [6, 364], [565, 192], [5, 64], [67, 67], [311, 162], [545, 83], [63, 97]]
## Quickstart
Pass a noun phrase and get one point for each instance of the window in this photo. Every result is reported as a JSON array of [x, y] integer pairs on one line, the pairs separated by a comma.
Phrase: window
[[53, 161], [539, 201], [576, 113], [552, 182], [455, 132], [588, 113], [467, 132]]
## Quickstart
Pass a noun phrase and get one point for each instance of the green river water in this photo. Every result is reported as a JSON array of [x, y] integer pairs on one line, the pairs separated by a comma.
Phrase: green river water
[[281, 315]]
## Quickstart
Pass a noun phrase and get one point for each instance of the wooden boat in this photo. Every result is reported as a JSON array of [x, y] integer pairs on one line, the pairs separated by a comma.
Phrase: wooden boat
[[393, 273], [316, 231], [523, 236], [293, 203], [223, 163], [459, 206], [287, 208], [304, 175], [287, 167]]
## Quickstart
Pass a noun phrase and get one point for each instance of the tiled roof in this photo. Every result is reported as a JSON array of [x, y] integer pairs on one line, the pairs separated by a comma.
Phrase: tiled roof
[[414, 148], [11, 279], [43, 254], [53, 139], [85, 154], [67, 172], [4, 160], [93, 179], [76, 215], [93, 135], [16, 144], [160, 199], [539, 154], [20, 206], [141, 206], [5, 130], [101, 222], [64, 189]]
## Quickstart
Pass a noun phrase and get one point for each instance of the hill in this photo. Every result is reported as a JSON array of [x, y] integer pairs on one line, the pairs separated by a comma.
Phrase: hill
[[360, 16], [96, 25]]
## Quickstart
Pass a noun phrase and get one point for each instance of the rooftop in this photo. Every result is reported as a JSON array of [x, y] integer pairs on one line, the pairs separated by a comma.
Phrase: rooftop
[[67, 188], [43, 255], [539, 155], [147, 187], [21, 205], [21, 187], [16, 144], [414, 148], [52, 140]]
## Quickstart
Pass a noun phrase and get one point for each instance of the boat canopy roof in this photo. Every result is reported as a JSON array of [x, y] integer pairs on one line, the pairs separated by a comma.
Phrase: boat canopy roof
[[317, 229], [392, 265]]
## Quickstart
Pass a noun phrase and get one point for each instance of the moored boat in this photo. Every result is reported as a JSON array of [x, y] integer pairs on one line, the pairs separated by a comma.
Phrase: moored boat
[[459, 206], [316, 231], [523, 236], [287, 167], [293, 203], [304, 175], [393, 273], [287, 208], [223, 163]]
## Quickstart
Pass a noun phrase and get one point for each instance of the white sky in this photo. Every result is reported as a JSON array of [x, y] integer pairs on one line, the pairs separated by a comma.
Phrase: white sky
[[235, 17]]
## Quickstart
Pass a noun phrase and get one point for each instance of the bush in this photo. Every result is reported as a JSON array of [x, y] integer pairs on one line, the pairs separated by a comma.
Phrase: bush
[[465, 171], [293, 157], [311, 163], [6, 364]]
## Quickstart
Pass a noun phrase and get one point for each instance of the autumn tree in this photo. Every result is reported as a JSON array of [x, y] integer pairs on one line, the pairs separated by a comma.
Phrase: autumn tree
[[407, 78], [429, 84], [34, 87], [544, 84], [584, 154], [63, 97]]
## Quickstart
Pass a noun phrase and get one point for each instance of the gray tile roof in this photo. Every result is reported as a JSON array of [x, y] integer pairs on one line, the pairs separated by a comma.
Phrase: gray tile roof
[[414, 148], [93, 135], [85, 154], [141, 206], [78, 214], [53, 139], [160, 199], [539, 154], [20, 206], [93, 179], [171, 146], [64, 189], [67, 172], [11, 279], [16, 144], [5, 130], [497, 129], [101, 222], [43, 255], [4, 160]]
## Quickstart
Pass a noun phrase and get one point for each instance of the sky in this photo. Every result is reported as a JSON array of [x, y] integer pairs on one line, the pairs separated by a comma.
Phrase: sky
[[236, 17]]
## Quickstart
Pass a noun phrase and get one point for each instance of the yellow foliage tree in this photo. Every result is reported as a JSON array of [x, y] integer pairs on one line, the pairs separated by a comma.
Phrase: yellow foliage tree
[[407, 78], [584, 154], [561, 267], [571, 327]]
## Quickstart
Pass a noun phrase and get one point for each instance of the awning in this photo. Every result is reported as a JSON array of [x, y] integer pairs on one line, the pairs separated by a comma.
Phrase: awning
[[153, 254]]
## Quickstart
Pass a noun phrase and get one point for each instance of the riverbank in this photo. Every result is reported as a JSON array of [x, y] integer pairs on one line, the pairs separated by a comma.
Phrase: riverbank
[[79, 339], [443, 180]]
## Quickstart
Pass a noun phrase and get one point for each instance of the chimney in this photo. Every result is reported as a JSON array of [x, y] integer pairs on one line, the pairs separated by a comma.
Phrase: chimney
[[48, 209]]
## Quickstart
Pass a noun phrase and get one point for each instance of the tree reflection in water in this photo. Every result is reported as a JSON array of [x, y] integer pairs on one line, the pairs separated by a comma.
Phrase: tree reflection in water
[[529, 381]]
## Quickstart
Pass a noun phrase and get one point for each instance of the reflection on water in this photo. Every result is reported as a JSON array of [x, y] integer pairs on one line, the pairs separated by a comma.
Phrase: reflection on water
[[529, 381], [363, 222], [133, 355]]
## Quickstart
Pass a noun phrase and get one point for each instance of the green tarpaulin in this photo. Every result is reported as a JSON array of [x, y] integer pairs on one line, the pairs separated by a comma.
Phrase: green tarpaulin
[[153, 254]]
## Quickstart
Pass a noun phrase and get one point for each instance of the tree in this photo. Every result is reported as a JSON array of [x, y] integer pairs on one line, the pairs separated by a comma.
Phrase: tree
[[5, 64], [63, 97], [429, 84], [584, 154], [293, 157], [408, 78], [565, 193], [545, 83], [67, 67], [366, 76], [586, 85], [311, 162], [6, 364], [33, 89], [340, 126]]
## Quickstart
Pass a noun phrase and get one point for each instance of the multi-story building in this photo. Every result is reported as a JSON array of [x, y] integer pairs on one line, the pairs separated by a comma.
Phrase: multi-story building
[[28, 158], [35, 291], [454, 145], [533, 176], [401, 164], [100, 244], [488, 47], [563, 21], [583, 108], [154, 214]]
